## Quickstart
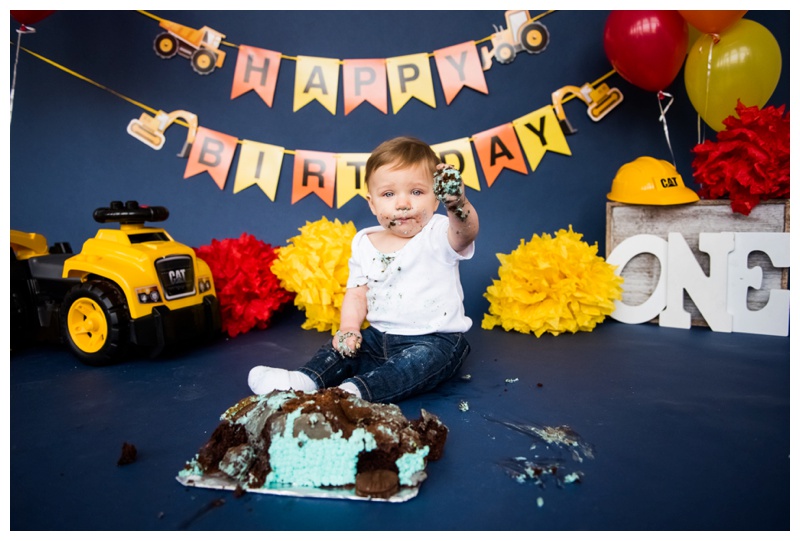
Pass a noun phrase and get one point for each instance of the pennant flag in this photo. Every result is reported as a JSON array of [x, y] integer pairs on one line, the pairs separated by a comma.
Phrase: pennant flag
[[213, 152], [460, 66], [316, 79], [498, 149], [410, 77], [256, 69], [539, 132], [458, 153], [260, 164], [350, 180], [364, 80], [314, 172]]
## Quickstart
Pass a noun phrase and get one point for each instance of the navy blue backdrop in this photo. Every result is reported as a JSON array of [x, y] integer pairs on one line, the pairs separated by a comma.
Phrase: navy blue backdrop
[[70, 152]]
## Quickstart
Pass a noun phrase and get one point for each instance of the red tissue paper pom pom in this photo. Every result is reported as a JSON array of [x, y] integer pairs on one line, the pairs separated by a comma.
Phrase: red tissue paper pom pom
[[750, 160], [249, 293]]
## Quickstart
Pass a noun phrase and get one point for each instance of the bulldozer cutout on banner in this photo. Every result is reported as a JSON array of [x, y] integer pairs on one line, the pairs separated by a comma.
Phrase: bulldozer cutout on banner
[[201, 46], [520, 34], [150, 130]]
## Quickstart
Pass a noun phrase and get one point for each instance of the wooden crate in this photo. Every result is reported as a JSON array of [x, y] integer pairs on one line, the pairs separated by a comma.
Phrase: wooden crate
[[641, 274]]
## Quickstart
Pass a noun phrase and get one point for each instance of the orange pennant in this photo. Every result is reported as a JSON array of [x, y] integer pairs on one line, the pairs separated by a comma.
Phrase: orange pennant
[[460, 66], [364, 80], [498, 149], [314, 172], [213, 152], [256, 69]]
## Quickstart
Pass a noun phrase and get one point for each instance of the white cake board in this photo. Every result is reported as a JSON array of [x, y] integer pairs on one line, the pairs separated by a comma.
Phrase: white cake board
[[222, 482]]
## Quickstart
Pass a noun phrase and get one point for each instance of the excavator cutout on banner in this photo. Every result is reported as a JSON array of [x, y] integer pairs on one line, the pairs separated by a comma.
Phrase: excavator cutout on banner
[[520, 34], [150, 130], [201, 46], [599, 102]]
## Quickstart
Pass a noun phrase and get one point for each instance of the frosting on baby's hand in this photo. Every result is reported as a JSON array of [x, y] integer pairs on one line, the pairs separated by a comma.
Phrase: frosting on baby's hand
[[449, 189]]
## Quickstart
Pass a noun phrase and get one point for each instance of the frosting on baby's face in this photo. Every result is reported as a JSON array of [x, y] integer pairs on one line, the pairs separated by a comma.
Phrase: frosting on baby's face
[[402, 198]]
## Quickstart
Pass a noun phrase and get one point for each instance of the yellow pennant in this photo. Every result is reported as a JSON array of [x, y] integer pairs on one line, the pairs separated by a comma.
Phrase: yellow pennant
[[350, 177], [539, 132], [316, 79], [458, 153], [410, 77], [259, 163]]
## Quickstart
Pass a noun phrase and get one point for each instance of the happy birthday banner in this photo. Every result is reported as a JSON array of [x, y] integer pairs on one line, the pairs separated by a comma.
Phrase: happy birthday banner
[[340, 176], [363, 80], [332, 175]]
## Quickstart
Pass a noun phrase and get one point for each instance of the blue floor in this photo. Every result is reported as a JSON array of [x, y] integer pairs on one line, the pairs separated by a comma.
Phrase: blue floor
[[679, 429]]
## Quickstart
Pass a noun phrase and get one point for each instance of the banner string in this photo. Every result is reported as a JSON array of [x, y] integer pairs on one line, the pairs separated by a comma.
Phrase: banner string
[[180, 122], [294, 58]]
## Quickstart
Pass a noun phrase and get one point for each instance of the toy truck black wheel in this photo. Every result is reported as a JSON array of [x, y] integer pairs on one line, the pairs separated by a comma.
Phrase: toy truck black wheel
[[204, 61], [505, 53], [166, 45], [534, 38], [95, 321]]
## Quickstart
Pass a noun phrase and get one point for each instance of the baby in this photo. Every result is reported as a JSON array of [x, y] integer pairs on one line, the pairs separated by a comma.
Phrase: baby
[[404, 280]]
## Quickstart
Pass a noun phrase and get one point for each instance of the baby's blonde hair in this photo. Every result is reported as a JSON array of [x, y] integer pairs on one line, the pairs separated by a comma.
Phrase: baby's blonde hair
[[402, 152]]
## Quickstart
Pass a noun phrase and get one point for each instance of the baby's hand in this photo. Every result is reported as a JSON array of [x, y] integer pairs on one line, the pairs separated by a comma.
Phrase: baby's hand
[[449, 189], [347, 343]]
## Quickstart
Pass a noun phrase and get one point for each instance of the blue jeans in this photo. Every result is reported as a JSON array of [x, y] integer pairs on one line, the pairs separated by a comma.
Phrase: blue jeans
[[390, 367]]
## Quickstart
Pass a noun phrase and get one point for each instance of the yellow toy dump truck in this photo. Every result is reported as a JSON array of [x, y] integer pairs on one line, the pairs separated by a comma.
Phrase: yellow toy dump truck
[[200, 46], [132, 289]]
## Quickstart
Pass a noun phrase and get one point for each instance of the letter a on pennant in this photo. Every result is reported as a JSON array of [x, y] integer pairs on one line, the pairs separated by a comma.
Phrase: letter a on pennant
[[256, 69], [314, 172], [316, 79], [213, 152], [460, 66], [498, 149], [364, 80]]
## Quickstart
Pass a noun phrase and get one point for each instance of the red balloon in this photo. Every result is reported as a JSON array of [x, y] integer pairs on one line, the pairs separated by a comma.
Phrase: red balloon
[[31, 16], [647, 48], [712, 21]]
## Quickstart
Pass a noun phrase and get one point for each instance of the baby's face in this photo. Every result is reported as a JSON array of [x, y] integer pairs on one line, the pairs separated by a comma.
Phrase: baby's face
[[402, 199]]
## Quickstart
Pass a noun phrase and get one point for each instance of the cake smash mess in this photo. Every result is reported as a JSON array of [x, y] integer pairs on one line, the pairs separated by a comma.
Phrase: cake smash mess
[[402, 324], [326, 443]]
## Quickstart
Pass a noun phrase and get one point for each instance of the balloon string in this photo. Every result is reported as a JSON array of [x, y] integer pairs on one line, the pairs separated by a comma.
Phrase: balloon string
[[701, 130], [663, 118], [22, 30]]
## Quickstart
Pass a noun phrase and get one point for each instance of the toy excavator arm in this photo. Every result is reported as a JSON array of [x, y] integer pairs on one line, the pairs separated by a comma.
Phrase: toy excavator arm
[[599, 102]]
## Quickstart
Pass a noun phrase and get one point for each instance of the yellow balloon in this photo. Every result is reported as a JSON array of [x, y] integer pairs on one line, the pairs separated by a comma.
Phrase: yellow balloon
[[744, 65]]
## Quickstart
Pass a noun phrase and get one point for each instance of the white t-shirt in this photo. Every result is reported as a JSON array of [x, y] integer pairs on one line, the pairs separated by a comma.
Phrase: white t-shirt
[[415, 290]]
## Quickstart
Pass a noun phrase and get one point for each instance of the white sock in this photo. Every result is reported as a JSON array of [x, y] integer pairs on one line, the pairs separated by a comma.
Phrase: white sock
[[350, 388], [264, 379]]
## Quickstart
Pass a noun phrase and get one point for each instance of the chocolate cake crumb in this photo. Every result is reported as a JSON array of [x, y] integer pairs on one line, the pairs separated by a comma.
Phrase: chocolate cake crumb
[[128, 455]]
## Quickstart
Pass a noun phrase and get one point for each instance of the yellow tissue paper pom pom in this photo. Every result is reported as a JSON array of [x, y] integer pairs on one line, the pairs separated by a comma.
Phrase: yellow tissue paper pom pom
[[552, 284], [314, 266]]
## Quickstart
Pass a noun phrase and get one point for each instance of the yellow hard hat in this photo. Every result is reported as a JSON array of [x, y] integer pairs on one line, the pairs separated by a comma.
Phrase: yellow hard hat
[[649, 181]]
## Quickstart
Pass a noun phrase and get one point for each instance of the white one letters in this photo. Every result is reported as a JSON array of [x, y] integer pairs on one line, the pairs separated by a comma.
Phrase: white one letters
[[720, 296]]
